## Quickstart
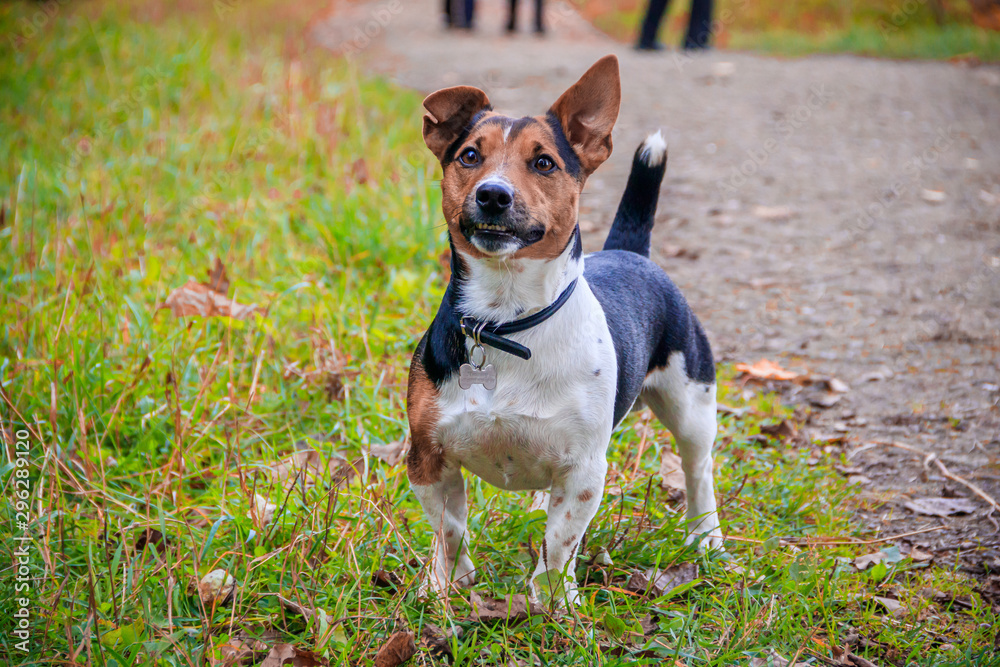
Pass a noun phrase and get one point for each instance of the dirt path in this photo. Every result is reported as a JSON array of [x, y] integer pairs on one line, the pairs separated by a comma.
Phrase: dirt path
[[851, 270]]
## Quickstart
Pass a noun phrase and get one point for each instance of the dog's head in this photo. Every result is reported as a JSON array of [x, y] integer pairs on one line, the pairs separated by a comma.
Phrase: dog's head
[[511, 186]]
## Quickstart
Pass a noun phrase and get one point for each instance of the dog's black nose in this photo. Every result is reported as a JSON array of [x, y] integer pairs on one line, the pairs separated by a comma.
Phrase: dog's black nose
[[494, 198]]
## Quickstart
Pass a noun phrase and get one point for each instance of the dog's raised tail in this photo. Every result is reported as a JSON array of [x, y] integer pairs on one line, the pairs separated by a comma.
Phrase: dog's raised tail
[[633, 223]]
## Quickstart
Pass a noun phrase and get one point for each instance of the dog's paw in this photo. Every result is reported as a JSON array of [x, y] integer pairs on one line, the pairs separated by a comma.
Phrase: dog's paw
[[707, 540], [554, 591], [443, 575]]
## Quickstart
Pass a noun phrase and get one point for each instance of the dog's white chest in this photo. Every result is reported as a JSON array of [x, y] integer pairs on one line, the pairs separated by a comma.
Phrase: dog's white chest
[[544, 414]]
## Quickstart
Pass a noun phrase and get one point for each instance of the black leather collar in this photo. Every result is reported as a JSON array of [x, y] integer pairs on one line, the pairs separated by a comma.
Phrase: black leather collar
[[492, 334]]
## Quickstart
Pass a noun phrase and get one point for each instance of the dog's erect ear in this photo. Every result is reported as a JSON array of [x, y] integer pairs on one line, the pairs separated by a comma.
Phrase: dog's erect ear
[[588, 111], [449, 112]]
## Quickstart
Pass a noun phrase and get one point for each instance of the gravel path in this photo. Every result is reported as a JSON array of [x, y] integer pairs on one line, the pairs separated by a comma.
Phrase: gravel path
[[838, 215]]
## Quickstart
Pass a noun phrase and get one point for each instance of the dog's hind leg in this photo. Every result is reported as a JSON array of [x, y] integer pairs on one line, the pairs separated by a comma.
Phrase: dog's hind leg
[[687, 408], [444, 504]]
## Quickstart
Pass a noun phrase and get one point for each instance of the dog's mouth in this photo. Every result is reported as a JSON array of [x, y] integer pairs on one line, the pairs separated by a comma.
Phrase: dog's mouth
[[494, 238]]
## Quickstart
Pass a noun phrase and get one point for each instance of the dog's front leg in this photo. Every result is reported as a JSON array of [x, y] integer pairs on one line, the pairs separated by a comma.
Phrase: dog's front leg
[[573, 501], [444, 504]]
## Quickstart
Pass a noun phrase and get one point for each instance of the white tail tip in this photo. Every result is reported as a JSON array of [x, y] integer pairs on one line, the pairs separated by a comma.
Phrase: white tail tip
[[654, 149]]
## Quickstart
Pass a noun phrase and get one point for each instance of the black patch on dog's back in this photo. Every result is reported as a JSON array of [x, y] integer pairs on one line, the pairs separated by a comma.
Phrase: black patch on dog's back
[[648, 318]]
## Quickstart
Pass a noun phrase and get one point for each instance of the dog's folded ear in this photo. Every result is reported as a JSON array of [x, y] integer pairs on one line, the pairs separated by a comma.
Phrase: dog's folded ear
[[449, 112], [588, 111]]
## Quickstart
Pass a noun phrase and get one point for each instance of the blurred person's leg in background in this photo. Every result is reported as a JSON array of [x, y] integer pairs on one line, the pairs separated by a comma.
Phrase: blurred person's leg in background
[[699, 33], [459, 13], [699, 30], [539, 13]]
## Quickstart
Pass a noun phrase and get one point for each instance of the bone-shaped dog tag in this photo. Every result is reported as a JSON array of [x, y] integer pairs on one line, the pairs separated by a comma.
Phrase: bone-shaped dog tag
[[469, 375]]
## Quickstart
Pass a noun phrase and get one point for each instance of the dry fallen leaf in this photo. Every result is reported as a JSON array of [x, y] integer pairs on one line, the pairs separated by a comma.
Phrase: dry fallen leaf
[[286, 654], [919, 556], [894, 607], [303, 611], [438, 641], [766, 370], [390, 453], [387, 580], [310, 465], [656, 583], [397, 650], [151, 537], [262, 509], [783, 430], [772, 659], [941, 506], [512, 609], [207, 299], [671, 474], [724, 409]]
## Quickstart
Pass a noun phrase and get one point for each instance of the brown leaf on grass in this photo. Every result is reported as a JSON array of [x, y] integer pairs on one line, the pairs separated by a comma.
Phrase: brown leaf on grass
[[309, 465], [863, 562], [672, 475], [512, 609], [438, 641], [824, 399], [286, 654], [765, 369], [919, 556], [301, 610], [655, 583], [724, 409], [772, 659], [153, 537], [783, 430], [942, 507], [397, 650], [359, 171], [894, 607], [207, 299], [389, 453], [218, 281], [241, 650], [387, 580]]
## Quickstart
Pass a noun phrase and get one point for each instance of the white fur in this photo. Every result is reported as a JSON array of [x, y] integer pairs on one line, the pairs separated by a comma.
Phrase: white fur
[[548, 422], [654, 149], [688, 409]]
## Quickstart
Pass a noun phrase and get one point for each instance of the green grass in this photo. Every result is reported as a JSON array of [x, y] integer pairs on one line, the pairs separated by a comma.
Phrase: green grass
[[883, 28], [136, 152]]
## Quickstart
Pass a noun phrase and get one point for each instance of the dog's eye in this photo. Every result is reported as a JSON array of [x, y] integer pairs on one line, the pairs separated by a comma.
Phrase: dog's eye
[[544, 163], [469, 157]]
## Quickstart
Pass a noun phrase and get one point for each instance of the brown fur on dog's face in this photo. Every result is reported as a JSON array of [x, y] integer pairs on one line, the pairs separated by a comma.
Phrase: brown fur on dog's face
[[511, 186]]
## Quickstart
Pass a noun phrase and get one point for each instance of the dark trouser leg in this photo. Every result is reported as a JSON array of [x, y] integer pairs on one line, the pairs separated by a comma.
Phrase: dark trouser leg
[[651, 24], [512, 16], [699, 34], [470, 10], [447, 13], [539, 15]]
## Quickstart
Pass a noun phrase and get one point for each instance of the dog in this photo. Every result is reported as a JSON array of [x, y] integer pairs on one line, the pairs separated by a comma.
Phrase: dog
[[537, 352]]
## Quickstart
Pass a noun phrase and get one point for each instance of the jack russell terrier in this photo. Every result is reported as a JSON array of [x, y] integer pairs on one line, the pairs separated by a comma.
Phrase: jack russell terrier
[[537, 352]]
